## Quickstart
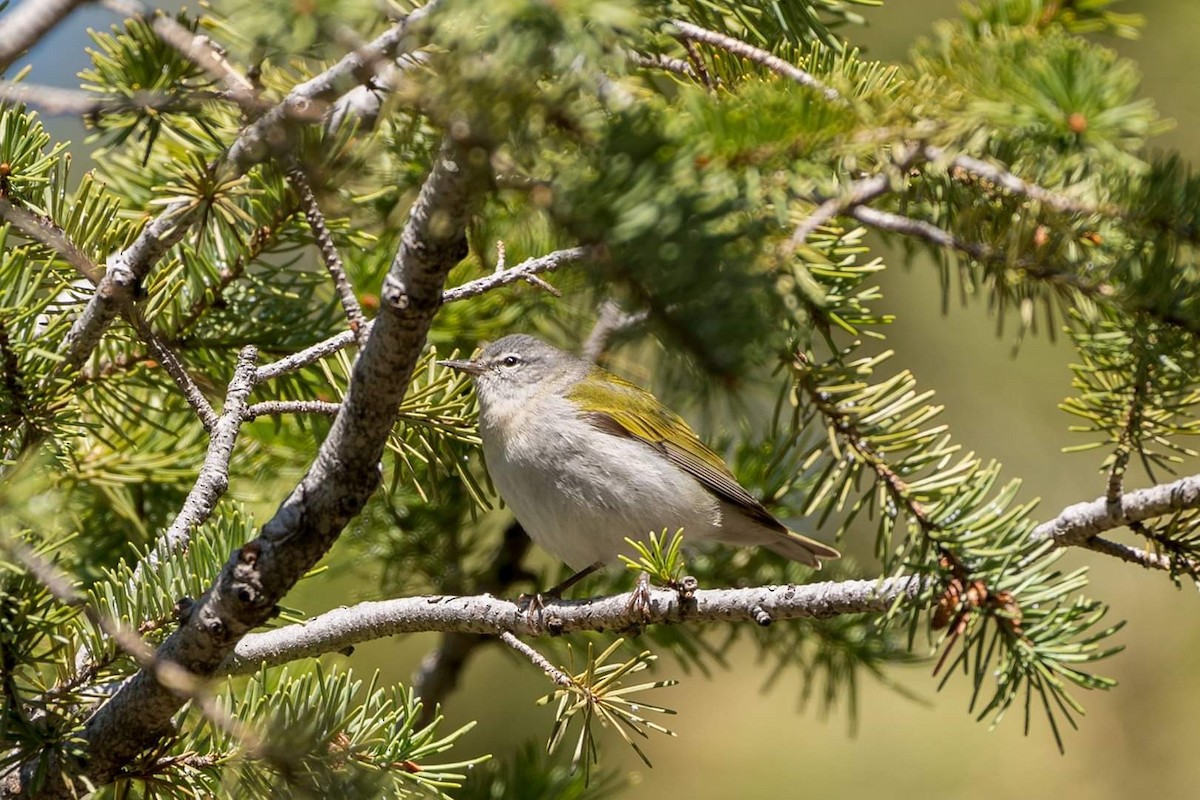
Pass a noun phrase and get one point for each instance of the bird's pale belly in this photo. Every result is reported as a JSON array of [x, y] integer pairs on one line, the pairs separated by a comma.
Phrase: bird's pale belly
[[580, 502]]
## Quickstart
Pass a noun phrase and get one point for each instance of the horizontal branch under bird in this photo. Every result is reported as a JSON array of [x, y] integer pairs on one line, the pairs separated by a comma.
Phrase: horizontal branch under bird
[[342, 628]]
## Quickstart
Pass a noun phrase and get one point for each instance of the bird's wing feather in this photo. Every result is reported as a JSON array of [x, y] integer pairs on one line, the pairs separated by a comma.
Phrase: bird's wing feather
[[641, 416]]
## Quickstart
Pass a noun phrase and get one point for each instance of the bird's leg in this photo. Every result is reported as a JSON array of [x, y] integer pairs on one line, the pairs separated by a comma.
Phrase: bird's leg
[[537, 601], [557, 591]]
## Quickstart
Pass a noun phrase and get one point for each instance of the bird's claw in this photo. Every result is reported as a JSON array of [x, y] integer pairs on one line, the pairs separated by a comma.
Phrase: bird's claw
[[638, 608], [534, 607]]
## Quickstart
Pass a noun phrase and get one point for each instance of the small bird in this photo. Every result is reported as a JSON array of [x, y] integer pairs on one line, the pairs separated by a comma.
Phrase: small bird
[[586, 459]]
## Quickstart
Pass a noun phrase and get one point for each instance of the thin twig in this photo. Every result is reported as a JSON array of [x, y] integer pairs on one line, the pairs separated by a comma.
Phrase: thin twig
[[56, 101], [213, 479], [325, 245], [909, 226], [1129, 426], [525, 271], [751, 53], [308, 355], [537, 659], [174, 367], [659, 61], [1144, 558], [612, 320], [697, 63], [860, 192], [274, 408], [43, 230], [1009, 182]]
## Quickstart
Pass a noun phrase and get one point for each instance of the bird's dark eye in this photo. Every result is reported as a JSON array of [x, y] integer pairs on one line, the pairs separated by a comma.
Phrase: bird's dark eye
[[511, 361]]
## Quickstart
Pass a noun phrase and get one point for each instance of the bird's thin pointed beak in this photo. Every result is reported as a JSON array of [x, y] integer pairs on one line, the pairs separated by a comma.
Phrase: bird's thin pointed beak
[[469, 367]]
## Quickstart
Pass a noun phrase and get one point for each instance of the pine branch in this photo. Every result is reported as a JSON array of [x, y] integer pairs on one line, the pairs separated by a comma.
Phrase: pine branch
[[909, 226], [1011, 183], [44, 230], [168, 673], [262, 238], [485, 614], [327, 248], [197, 49], [1080, 522], [28, 23], [127, 269], [337, 485]]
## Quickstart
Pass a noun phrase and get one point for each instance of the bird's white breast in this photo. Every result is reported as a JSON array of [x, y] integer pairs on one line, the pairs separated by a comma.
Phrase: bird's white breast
[[579, 491]]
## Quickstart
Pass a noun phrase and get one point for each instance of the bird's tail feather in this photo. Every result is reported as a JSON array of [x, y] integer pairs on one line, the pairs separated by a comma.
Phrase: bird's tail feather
[[800, 548]]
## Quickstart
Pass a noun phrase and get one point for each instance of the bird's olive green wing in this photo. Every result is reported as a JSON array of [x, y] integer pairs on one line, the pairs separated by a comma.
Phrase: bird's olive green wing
[[618, 407]]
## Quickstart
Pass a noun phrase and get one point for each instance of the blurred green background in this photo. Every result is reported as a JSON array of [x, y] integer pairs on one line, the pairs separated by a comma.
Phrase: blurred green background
[[739, 740]]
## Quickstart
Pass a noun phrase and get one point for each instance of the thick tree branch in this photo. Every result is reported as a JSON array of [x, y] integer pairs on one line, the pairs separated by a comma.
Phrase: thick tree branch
[[345, 627], [343, 476]]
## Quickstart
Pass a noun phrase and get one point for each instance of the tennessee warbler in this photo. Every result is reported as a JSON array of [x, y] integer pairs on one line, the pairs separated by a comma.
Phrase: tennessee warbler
[[585, 459]]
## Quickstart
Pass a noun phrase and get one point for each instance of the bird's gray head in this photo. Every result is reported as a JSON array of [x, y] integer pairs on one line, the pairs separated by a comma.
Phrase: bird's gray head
[[515, 368]]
